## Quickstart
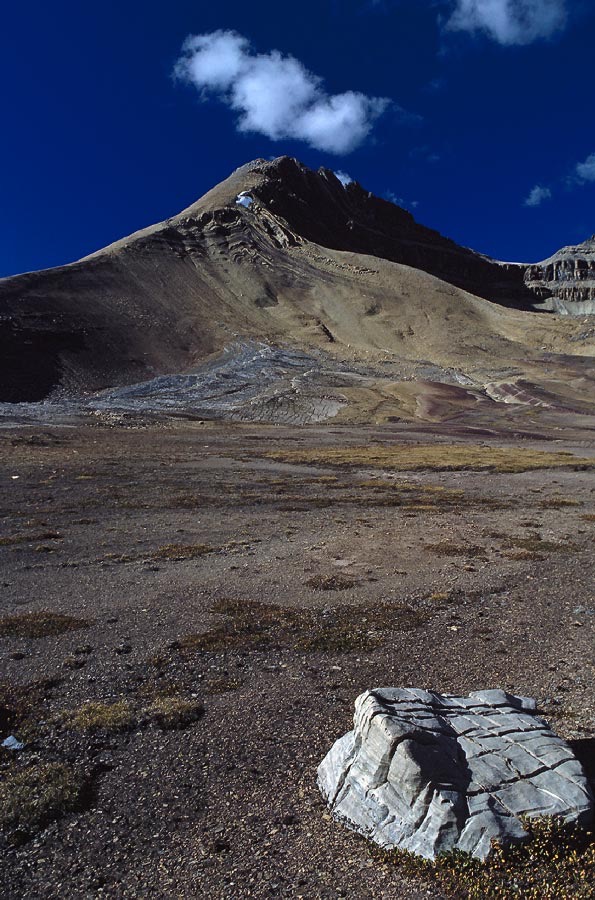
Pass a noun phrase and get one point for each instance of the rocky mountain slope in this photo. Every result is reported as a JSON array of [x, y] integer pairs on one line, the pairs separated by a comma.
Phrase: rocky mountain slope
[[280, 254]]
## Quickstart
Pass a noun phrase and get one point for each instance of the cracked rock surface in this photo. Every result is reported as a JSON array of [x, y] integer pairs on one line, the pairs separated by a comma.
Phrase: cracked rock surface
[[429, 773]]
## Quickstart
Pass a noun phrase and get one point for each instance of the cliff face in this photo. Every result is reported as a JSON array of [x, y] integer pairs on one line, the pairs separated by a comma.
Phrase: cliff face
[[565, 282]]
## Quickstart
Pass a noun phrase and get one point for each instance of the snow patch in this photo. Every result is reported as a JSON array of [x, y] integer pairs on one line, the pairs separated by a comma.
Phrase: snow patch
[[344, 178], [244, 199]]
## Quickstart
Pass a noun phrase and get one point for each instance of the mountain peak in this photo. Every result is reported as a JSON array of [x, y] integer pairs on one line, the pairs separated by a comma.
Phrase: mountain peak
[[276, 252]]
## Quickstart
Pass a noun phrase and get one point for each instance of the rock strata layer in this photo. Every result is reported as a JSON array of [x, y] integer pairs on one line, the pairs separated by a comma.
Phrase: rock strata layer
[[430, 773], [565, 283]]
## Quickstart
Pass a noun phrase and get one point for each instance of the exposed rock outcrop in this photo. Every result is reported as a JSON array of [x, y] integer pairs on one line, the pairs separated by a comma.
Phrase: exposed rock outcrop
[[565, 283], [428, 773]]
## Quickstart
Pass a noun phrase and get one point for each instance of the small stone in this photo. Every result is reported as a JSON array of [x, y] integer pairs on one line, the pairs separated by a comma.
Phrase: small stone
[[73, 662], [105, 761], [220, 845], [123, 649]]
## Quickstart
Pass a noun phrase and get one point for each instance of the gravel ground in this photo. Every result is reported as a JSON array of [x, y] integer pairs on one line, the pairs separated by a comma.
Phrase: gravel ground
[[266, 595]]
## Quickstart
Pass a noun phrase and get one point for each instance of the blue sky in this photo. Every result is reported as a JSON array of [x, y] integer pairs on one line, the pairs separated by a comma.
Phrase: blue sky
[[478, 114]]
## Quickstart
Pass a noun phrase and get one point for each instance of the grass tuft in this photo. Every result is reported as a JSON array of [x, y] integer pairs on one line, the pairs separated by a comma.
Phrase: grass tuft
[[174, 712], [181, 551], [536, 544], [98, 716], [31, 798], [330, 583]]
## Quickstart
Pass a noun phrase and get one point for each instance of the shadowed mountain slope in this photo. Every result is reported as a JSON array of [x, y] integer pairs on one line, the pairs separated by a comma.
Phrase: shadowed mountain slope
[[299, 260]]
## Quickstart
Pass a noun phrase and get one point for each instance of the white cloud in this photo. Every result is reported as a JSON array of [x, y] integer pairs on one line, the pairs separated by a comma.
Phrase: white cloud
[[344, 178], [585, 171], [538, 195], [509, 21], [276, 95]]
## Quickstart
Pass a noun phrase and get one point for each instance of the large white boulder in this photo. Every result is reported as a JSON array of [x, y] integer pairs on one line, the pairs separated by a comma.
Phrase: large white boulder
[[429, 773]]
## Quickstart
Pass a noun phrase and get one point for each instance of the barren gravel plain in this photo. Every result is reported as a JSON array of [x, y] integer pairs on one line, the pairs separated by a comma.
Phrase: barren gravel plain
[[189, 609]]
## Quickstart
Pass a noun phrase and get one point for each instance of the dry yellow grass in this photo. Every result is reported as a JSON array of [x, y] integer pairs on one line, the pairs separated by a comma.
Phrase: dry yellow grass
[[97, 716], [39, 624], [172, 712], [437, 457], [33, 797], [181, 551], [556, 863]]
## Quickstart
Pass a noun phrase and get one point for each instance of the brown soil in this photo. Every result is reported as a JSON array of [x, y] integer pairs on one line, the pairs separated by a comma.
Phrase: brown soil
[[207, 568]]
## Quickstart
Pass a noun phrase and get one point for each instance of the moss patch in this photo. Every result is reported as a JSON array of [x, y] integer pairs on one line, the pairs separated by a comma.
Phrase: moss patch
[[523, 555]]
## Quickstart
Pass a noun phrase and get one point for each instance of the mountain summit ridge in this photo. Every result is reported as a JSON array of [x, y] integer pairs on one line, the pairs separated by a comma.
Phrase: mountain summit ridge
[[318, 207]]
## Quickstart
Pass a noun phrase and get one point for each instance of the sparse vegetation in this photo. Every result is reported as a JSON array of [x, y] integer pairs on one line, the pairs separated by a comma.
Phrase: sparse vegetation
[[330, 583], [24, 538], [221, 684], [449, 548], [441, 628], [40, 624], [440, 597], [523, 555], [98, 716], [181, 551], [556, 863], [535, 544], [32, 797], [254, 625], [437, 457], [21, 705], [172, 712]]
